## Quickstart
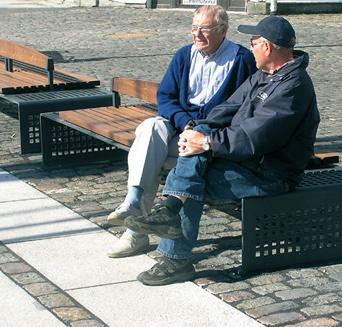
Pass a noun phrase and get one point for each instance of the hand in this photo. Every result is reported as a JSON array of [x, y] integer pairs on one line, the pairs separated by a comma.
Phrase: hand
[[190, 143]]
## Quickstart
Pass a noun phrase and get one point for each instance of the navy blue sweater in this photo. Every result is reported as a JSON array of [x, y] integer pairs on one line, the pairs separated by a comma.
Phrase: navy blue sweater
[[172, 95]]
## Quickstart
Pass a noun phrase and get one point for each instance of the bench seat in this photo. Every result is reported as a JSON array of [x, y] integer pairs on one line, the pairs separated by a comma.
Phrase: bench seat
[[23, 69], [298, 228], [29, 80], [31, 105], [117, 124]]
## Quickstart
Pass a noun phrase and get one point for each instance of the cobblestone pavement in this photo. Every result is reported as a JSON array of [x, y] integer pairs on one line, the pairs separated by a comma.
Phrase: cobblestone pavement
[[107, 42]]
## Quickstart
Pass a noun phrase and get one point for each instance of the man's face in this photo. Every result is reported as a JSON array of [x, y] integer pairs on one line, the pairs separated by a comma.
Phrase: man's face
[[209, 39], [258, 49]]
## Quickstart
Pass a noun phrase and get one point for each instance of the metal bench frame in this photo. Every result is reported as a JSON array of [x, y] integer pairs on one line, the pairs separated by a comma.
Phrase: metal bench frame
[[31, 105], [294, 229]]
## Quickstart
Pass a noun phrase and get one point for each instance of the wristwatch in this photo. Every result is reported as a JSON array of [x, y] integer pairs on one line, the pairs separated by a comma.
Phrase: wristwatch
[[206, 144]]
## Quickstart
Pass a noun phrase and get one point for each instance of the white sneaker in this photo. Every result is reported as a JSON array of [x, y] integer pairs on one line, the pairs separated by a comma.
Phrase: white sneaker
[[124, 210], [129, 245]]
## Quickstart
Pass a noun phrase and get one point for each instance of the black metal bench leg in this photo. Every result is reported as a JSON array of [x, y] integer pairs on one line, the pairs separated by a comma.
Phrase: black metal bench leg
[[29, 131], [46, 140]]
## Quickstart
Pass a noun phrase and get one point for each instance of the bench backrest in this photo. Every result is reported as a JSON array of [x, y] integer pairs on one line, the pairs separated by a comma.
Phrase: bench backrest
[[143, 90], [13, 51]]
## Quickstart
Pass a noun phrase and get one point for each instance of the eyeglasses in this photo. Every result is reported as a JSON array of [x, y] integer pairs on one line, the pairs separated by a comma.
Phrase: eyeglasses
[[203, 29], [255, 44]]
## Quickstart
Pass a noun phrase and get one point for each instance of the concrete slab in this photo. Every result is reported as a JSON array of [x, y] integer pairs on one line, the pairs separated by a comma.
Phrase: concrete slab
[[71, 252], [81, 261], [9, 187], [20, 309], [186, 305], [39, 219]]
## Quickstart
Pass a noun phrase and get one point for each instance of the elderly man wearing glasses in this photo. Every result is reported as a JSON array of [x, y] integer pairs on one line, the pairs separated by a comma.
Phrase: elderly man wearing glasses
[[199, 77], [256, 143]]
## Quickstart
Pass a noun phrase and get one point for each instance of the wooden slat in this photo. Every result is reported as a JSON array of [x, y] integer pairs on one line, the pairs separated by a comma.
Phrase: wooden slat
[[117, 124], [18, 80], [144, 90], [30, 71], [328, 156], [19, 52]]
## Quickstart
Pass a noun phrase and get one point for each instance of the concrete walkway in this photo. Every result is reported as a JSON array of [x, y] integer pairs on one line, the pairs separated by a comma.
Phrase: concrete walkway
[[55, 271]]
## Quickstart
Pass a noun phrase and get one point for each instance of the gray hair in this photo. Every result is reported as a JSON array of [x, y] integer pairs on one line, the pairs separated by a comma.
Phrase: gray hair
[[278, 47], [220, 15]]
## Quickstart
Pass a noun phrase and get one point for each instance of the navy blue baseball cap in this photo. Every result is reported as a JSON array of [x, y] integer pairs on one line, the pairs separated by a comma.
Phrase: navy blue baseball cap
[[276, 29]]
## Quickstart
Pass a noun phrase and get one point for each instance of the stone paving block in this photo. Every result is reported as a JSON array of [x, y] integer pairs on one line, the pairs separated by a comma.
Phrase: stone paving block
[[336, 276], [7, 257], [320, 322], [331, 269], [266, 310], [37, 289], [270, 288], [295, 293], [304, 273], [329, 287], [309, 282], [236, 296], [337, 316], [71, 314], [3, 249], [226, 287], [266, 279], [254, 303], [281, 318], [15, 267], [55, 300], [87, 323], [322, 309], [28, 278], [322, 299]]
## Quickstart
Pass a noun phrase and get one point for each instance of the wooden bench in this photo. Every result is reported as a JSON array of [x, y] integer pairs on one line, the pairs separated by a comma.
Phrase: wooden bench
[[29, 81], [95, 134], [302, 227], [23, 69]]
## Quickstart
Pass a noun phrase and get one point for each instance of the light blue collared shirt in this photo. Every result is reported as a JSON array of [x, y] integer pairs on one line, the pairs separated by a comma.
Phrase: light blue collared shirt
[[207, 73]]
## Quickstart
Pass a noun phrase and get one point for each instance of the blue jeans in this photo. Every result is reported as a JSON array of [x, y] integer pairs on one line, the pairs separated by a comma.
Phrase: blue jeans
[[198, 178]]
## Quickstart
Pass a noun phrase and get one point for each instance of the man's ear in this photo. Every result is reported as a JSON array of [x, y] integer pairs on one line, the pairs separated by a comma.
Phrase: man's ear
[[269, 48]]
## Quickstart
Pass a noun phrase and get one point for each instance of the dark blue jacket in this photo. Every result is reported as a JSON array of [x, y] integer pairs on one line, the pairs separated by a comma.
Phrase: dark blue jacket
[[173, 91], [269, 123]]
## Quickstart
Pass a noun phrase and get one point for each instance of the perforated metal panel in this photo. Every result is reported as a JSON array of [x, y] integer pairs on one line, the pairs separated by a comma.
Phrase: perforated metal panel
[[33, 122], [320, 178], [31, 105], [64, 144], [297, 228]]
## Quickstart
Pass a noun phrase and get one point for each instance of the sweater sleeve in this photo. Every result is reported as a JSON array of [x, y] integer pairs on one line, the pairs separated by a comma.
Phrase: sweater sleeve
[[169, 92]]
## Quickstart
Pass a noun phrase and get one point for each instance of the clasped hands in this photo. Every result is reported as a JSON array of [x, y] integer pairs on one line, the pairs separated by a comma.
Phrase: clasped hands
[[190, 142]]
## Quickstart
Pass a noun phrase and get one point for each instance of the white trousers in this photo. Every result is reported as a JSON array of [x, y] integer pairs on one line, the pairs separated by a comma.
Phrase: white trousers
[[154, 147]]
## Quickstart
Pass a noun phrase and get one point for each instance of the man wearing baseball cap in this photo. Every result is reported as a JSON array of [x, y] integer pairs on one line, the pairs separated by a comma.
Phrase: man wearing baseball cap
[[256, 143]]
